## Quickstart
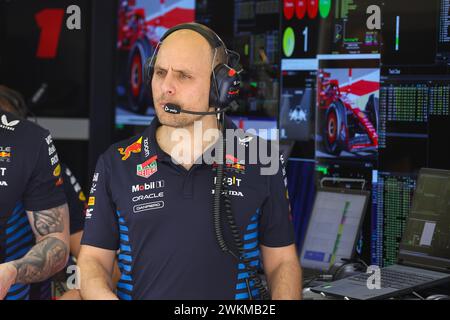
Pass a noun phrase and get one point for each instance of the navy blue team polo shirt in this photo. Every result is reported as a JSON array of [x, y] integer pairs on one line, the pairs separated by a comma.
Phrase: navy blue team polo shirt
[[158, 215], [30, 179]]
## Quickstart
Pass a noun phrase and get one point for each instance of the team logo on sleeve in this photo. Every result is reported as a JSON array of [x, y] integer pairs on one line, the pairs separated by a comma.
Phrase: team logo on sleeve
[[82, 197], [2, 174], [51, 150], [5, 154], [59, 182], [8, 125], [147, 168], [57, 171], [49, 139], [54, 160], [88, 213], [135, 147], [91, 201]]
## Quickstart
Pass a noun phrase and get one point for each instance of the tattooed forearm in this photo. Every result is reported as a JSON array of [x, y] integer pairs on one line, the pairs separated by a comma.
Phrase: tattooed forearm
[[49, 221], [43, 260]]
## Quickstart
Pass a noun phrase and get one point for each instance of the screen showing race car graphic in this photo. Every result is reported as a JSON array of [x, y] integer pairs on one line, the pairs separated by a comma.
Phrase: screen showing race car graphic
[[347, 119], [296, 114], [141, 23]]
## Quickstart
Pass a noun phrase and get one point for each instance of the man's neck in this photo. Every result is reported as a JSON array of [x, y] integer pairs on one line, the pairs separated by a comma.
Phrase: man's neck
[[186, 145]]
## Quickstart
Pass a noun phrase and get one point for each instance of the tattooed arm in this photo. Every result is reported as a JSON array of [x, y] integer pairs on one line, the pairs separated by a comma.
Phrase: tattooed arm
[[47, 257], [50, 254]]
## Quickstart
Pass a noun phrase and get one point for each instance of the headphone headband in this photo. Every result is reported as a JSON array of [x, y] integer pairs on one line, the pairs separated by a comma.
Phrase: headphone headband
[[212, 38]]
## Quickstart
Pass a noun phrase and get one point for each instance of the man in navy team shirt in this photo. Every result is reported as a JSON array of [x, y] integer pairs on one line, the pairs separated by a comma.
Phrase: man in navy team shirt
[[34, 220], [151, 199]]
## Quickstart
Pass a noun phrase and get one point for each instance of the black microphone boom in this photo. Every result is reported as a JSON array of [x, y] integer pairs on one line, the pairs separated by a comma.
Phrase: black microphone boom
[[172, 108], [175, 109]]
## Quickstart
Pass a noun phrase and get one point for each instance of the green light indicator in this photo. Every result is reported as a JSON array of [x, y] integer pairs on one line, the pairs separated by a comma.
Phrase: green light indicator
[[324, 8], [288, 42], [322, 169]]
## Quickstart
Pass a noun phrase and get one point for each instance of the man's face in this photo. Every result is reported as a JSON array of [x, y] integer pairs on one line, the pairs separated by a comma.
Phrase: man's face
[[182, 76]]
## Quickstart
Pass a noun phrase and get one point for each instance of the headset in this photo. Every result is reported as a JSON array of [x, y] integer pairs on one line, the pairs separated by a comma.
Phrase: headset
[[225, 83], [347, 268], [225, 77]]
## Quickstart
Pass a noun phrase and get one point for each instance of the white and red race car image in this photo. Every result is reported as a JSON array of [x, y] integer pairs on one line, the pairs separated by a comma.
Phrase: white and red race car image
[[348, 104], [141, 25]]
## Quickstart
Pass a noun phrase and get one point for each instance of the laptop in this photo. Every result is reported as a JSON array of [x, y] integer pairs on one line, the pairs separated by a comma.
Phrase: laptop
[[424, 251], [333, 229]]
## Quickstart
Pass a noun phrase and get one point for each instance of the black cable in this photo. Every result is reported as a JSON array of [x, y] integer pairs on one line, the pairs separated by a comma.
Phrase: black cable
[[418, 295], [221, 196], [347, 262], [217, 200], [252, 271], [308, 281], [321, 277]]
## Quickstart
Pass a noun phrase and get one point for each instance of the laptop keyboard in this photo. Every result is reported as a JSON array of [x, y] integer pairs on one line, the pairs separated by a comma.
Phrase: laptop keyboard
[[393, 279]]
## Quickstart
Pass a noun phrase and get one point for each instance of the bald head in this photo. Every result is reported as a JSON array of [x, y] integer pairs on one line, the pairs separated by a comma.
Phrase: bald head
[[188, 48]]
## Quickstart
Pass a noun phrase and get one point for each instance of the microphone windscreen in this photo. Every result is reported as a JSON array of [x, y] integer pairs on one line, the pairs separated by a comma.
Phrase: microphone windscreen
[[172, 108]]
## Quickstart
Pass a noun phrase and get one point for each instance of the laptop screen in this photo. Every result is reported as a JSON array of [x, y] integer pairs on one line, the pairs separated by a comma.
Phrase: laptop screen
[[333, 228], [426, 240]]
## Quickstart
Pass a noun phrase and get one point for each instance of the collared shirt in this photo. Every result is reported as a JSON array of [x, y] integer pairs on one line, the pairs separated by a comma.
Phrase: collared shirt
[[30, 179], [160, 217]]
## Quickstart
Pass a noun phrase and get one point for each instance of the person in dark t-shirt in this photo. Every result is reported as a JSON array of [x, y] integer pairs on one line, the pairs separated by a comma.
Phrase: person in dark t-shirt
[[155, 206], [34, 218]]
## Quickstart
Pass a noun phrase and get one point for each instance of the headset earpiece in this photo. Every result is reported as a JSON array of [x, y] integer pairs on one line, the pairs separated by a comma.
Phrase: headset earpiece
[[225, 85]]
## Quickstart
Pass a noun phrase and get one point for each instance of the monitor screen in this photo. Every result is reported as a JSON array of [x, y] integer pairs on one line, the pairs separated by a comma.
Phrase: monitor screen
[[408, 25], [141, 23], [256, 39], [44, 55], [348, 90], [333, 228], [392, 194], [426, 240], [297, 116], [248, 27]]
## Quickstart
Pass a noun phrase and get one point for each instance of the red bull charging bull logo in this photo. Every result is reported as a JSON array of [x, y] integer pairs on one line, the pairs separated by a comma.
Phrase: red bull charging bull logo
[[132, 148]]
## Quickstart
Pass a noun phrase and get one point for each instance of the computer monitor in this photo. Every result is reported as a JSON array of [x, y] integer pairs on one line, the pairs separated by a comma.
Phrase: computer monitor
[[140, 25], [348, 91], [43, 59], [333, 227], [392, 194], [426, 241]]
